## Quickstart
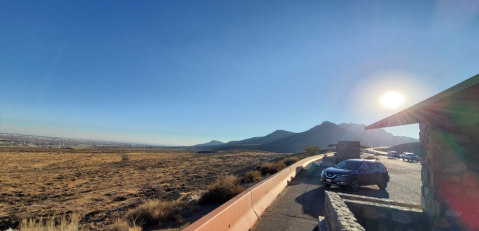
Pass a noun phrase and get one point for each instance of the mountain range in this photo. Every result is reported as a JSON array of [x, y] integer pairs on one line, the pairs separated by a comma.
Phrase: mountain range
[[323, 135]]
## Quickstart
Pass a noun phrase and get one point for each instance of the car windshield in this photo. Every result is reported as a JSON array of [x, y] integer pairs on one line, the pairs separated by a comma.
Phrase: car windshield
[[409, 154], [349, 165]]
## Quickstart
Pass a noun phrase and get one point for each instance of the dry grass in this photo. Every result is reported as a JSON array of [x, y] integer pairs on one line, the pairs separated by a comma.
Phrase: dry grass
[[272, 168], [372, 158], [52, 224], [123, 225], [104, 184], [252, 176], [223, 189]]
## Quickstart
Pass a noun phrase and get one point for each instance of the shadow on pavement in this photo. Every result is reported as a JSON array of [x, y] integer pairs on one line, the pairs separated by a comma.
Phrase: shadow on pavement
[[364, 191], [313, 201]]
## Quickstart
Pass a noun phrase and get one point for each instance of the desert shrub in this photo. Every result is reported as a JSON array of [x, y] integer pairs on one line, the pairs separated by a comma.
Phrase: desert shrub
[[156, 212], [290, 160], [223, 189], [252, 176], [272, 168], [125, 158], [312, 150], [372, 158], [52, 224]]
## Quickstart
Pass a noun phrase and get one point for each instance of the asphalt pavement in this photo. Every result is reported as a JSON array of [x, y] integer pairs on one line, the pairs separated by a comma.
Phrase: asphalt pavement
[[405, 183], [302, 201]]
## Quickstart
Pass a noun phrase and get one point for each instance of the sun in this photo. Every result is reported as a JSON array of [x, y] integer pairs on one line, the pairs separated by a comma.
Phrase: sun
[[392, 99]]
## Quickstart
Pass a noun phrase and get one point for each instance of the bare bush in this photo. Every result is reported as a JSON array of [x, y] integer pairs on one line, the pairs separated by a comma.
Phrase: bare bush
[[290, 160], [272, 168], [223, 189], [156, 212], [252, 176], [312, 150]]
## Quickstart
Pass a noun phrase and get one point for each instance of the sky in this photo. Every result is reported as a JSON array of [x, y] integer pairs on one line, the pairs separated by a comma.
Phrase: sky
[[186, 72]]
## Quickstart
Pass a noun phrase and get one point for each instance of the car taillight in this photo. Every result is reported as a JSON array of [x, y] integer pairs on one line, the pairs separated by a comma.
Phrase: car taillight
[[386, 168]]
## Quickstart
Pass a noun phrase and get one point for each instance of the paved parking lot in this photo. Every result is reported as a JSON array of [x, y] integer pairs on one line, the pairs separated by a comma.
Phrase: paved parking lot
[[300, 204], [405, 183]]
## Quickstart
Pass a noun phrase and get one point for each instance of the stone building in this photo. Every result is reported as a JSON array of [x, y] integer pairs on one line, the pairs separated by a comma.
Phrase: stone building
[[449, 139], [348, 150]]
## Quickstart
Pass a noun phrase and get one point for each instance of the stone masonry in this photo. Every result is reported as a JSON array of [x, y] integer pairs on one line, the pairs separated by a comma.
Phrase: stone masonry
[[450, 175], [348, 150], [338, 216], [352, 212]]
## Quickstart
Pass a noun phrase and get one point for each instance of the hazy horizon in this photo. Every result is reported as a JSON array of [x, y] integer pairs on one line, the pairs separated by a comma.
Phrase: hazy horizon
[[152, 143], [184, 73]]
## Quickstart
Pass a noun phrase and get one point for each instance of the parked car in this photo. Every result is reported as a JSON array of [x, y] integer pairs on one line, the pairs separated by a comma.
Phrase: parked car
[[410, 157], [354, 173], [393, 154]]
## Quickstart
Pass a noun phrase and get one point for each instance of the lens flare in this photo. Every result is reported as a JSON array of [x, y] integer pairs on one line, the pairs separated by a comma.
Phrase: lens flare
[[392, 99]]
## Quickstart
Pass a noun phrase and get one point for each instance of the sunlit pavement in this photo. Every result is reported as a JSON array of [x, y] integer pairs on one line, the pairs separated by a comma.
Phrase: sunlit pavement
[[405, 183], [300, 204]]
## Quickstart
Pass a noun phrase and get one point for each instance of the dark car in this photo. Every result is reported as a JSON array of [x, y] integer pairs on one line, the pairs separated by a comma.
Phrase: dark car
[[354, 173], [393, 154]]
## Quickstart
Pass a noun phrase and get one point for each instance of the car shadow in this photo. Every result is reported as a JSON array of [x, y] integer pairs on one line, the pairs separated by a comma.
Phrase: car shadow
[[313, 201], [364, 191]]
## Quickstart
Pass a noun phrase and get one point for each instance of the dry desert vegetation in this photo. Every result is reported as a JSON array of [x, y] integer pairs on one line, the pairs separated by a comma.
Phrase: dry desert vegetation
[[105, 186]]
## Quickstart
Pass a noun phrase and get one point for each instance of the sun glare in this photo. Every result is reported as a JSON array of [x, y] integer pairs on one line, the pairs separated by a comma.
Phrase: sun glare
[[392, 99]]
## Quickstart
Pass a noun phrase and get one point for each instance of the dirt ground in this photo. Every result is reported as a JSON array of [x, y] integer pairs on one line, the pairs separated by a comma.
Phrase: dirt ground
[[102, 184]]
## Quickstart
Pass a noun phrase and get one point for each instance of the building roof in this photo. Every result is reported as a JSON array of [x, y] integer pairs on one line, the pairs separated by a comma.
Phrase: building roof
[[460, 101]]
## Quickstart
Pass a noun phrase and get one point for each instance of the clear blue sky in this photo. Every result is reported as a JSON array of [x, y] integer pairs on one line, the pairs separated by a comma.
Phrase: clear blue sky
[[186, 72]]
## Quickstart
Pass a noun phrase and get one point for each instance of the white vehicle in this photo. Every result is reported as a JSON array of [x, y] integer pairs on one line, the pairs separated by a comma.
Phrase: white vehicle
[[410, 157]]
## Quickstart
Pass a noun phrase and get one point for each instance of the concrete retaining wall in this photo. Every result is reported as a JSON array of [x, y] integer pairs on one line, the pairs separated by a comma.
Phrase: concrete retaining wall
[[242, 212]]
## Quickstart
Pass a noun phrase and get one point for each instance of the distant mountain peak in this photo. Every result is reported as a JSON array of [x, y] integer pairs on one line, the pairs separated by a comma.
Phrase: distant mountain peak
[[280, 131], [328, 123], [211, 143]]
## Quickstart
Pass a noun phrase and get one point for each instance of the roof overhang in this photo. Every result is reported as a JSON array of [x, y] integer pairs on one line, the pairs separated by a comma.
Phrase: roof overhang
[[461, 101]]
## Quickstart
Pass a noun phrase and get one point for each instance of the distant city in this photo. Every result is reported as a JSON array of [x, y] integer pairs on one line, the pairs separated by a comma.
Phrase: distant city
[[20, 140]]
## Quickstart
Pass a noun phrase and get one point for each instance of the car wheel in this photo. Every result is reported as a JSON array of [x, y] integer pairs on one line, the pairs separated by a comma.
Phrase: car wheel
[[383, 184], [354, 185], [327, 185]]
